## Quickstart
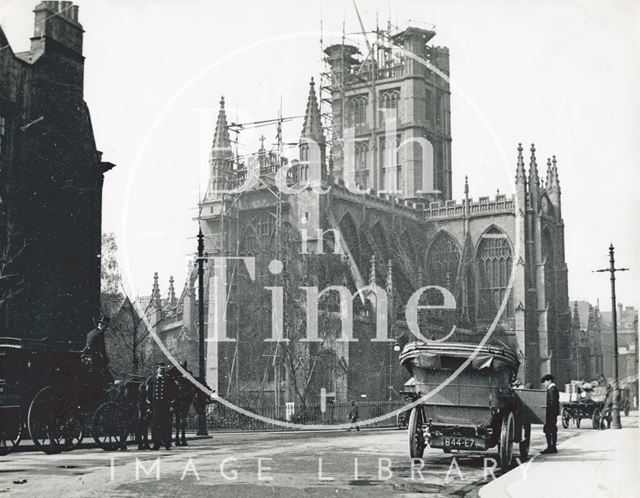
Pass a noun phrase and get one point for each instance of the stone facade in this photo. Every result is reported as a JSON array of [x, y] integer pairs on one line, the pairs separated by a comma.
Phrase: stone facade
[[51, 177], [399, 235]]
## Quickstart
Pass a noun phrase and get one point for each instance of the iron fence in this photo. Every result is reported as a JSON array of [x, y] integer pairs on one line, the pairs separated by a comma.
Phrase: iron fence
[[221, 417]]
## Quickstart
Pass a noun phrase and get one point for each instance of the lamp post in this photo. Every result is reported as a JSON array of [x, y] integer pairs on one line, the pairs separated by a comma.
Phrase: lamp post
[[202, 417], [615, 409]]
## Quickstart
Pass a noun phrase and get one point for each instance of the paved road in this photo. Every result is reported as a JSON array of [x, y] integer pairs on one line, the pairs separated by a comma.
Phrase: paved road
[[255, 464]]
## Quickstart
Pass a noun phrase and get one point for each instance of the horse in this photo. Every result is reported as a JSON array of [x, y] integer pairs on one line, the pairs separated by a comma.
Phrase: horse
[[186, 393], [144, 414]]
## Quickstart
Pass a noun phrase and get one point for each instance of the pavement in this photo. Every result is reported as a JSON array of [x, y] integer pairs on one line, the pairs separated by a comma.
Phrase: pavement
[[597, 463], [369, 463]]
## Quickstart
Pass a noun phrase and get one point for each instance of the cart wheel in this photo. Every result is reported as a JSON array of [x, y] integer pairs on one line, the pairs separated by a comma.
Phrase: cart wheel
[[595, 418], [506, 440], [566, 418], [109, 426], [416, 436], [578, 423], [10, 436], [525, 442], [53, 422]]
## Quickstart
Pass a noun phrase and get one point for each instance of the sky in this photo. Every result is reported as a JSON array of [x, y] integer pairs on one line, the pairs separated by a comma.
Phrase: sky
[[561, 74]]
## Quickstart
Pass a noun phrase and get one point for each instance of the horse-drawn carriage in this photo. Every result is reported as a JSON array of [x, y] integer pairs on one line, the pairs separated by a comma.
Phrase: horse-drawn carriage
[[475, 410], [45, 392], [48, 394]]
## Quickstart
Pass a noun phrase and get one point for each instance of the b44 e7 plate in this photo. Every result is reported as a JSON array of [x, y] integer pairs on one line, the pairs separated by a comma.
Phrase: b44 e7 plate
[[462, 443]]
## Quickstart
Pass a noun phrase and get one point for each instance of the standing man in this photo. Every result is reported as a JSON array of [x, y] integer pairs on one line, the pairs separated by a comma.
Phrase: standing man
[[353, 414], [162, 391], [551, 415]]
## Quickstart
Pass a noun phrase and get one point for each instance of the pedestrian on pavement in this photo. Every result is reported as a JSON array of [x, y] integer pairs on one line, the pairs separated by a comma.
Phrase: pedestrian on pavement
[[353, 414], [551, 415], [162, 391]]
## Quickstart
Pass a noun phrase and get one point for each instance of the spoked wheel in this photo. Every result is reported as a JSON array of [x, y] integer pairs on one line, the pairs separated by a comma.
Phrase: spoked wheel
[[417, 442], [525, 442], [10, 435], [109, 426], [566, 418], [595, 418], [506, 440], [53, 422]]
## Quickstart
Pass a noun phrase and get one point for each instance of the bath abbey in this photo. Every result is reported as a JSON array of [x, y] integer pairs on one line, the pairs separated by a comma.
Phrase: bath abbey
[[364, 204]]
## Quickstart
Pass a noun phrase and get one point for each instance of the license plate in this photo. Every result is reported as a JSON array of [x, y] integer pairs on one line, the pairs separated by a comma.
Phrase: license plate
[[464, 443]]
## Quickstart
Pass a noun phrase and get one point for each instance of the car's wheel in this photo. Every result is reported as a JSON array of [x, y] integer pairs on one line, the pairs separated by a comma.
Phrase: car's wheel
[[417, 442], [506, 440]]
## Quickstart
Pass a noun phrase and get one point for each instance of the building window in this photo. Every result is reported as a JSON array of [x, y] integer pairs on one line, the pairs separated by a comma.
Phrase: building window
[[3, 134], [389, 104], [357, 115], [390, 164], [494, 264], [362, 151], [443, 261]]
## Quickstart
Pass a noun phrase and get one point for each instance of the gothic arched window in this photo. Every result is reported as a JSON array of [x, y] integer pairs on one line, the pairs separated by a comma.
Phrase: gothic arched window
[[389, 104], [358, 110], [443, 261], [494, 259]]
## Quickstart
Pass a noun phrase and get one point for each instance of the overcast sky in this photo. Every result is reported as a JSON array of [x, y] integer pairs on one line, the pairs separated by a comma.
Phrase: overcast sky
[[562, 74]]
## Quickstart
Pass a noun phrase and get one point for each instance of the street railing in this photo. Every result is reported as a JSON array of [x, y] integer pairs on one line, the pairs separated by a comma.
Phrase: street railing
[[221, 418]]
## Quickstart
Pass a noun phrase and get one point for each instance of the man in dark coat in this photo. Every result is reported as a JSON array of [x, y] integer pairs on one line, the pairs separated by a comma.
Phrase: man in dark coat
[[162, 394], [551, 415], [354, 416], [96, 351]]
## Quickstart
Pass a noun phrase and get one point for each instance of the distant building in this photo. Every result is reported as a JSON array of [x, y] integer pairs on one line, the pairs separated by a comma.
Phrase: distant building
[[51, 177], [174, 321], [586, 349], [627, 344]]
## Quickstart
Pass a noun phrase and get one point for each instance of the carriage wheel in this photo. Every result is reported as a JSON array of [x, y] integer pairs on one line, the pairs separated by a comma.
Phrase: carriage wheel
[[10, 436], [109, 426], [525, 442], [578, 422], [566, 418], [417, 443], [54, 423], [506, 440]]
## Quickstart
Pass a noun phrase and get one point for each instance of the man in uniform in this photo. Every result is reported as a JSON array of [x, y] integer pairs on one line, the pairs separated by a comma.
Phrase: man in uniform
[[551, 415], [96, 350], [162, 393]]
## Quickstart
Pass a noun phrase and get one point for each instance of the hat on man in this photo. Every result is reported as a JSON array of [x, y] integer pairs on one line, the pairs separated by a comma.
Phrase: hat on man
[[547, 377]]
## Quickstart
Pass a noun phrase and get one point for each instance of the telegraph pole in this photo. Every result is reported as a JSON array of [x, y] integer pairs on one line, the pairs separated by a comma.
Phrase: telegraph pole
[[202, 417], [615, 409]]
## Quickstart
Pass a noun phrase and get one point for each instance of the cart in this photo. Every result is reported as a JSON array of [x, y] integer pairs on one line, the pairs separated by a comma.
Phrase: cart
[[46, 393], [596, 406], [475, 410]]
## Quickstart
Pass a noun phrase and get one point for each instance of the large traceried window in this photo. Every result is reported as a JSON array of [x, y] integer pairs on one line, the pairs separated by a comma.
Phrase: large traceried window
[[443, 261], [494, 259]]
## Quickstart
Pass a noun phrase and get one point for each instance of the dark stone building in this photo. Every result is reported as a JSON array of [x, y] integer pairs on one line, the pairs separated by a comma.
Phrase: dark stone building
[[51, 178]]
